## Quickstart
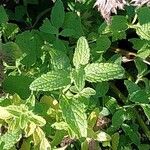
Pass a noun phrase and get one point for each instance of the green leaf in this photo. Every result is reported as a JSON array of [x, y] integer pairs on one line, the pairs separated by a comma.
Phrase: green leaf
[[67, 32], [59, 60], [118, 118], [102, 44], [78, 77], [119, 23], [4, 113], [17, 84], [111, 104], [82, 53], [143, 31], [139, 96], [3, 15], [146, 108], [98, 72], [144, 52], [57, 14], [131, 133], [73, 21], [44, 145], [143, 16], [141, 67], [131, 86], [51, 81], [30, 43], [87, 92], [74, 114], [102, 88], [48, 28], [10, 139], [115, 141], [12, 50]]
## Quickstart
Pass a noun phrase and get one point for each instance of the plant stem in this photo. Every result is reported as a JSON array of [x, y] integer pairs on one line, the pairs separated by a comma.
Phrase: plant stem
[[139, 119]]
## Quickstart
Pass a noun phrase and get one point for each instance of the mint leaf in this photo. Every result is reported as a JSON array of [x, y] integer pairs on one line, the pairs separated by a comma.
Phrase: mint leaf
[[131, 86], [30, 44], [73, 21], [143, 16], [57, 14], [10, 139], [53, 80], [59, 59], [48, 28], [102, 44], [78, 76], [74, 114], [98, 72], [139, 96], [18, 84], [3, 15], [146, 108], [67, 32], [132, 134], [119, 23], [118, 118], [82, 53], [143, 31]]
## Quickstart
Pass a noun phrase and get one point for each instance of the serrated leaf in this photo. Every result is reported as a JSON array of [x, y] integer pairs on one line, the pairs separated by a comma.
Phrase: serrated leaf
[[78, 77], [67, 32], [57, 14], [144, 51], [98, 72], [30, 44], [48, 28], [44, 145], [87, 92], [10, 139], [74, 114], [3, 15], [38, 120], [59, 60], [119, 23], [115, 141], [111, 104], [131, 86], [82, 53], [102, 88], [146, 108], [143, 31], [11, 29], [141, 67], [118, 118], [131, 133], [139, 96], [51, 81], [73, 21], [143, 15], [4, 113], [102, 44], [22, 88]]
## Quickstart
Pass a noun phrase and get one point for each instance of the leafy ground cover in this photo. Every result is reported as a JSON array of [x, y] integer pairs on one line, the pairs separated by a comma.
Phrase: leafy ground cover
[[74, 75]]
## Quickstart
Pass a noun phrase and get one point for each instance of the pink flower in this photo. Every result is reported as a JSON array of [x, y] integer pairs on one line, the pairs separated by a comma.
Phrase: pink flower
[[106, 7], [140, 3]]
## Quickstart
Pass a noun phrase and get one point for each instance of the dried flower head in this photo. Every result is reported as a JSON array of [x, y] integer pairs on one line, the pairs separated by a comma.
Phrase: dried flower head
[[140, 3], [106, 7]]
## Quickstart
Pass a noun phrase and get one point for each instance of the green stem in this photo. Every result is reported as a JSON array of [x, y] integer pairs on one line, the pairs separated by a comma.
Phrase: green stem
[[139, 119]]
